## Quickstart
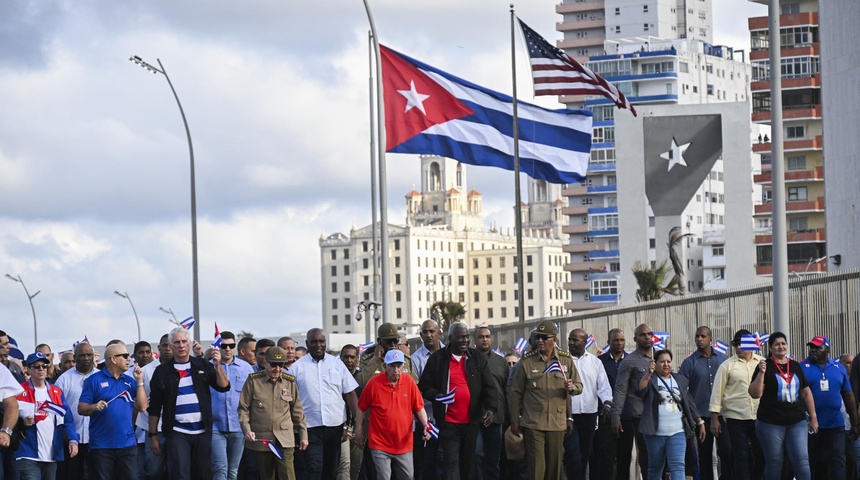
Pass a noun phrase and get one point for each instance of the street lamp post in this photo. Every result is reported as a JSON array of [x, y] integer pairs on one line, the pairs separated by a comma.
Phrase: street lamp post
[[170, 311], [138, 61], [18, 279], [364, 306], [125, 296]]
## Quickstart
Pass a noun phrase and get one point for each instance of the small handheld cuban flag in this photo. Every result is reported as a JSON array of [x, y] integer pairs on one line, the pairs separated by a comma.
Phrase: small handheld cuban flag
[[498, 352], [125, 395], [14, 351], [273, 448], [447, 398], [719, 346], [761, 338], [52, 407], [188, 323], [605, 348], [589, 341], [364, 346], [217, 342], [433, 429], [659, 339], [520, 346], [553, 367], [750, 343], [85, 340]]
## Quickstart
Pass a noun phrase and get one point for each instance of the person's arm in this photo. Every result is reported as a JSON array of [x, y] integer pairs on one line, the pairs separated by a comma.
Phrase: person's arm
[[352, 402], [427, 382], [489, 394], [851, 408], [10, 418], [244, 410], [686, 369], [645, 380], [359, 428], [85, 407], [299, 424], [809, 403], [156, 400], [222, 381], [574, 386], [140, 397], [619, 395], [515, 398], [715, 405], [756, 389]]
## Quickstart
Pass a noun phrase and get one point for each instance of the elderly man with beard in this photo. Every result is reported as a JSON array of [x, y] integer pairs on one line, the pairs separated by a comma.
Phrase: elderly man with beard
[[391, 400], [456, 379]]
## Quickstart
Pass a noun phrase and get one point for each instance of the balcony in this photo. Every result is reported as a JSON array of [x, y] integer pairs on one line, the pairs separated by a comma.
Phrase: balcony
[[815, 235], [578, 286], [611, 232], [574, 229], [574, 190], [575, 210], [591, 22], [601, 167], [582, 247], [790, 20], [581, 305], [794, 266], [579, 6], [602, 188], [603, 254], [581, 42], [793, 207], [580, 267], [800, 112], [613, 298], [802, 50], [811, 81], [816, 143], [816, 175]]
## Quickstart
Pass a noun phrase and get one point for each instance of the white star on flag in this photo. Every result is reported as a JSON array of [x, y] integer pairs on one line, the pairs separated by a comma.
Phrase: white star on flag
[[413, 98], [676, 154]]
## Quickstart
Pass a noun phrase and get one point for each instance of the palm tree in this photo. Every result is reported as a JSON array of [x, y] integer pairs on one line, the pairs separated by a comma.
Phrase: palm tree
[[651, 278], [446, 313]]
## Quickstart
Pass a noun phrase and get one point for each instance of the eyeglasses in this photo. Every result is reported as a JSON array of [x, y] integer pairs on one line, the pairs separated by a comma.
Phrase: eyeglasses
[[402, 344], [123, 355], [277, 365], [39, 366], [228, 346], [511, 364], [544, 337]]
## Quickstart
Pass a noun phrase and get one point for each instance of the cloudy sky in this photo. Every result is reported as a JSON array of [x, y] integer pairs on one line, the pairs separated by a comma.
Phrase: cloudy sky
[[94, 180]]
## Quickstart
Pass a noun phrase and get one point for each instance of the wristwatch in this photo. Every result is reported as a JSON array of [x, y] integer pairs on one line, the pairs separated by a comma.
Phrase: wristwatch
[[6, 430]]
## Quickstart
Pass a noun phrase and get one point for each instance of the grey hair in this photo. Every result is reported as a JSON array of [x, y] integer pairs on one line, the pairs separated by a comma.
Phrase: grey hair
[[455, 326], [172, 333]]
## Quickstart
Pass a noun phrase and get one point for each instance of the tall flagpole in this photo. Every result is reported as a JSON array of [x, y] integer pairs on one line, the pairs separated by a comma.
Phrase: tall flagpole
[[518, 217], [368, 328], [383, 188]]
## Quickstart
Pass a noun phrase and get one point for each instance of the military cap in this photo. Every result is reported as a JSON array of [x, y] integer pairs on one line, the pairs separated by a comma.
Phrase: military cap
[[276, 355], [387, 331], [546, 327]]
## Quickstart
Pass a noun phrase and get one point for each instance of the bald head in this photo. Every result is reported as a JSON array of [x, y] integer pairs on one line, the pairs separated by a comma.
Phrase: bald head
[[642, 337]]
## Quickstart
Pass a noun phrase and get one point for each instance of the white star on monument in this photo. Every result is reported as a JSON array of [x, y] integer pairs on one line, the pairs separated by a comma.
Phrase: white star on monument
[[414, 99], [675, 155]]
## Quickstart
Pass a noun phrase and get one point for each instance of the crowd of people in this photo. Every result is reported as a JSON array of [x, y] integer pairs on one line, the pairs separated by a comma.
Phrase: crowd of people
[[452, 409]]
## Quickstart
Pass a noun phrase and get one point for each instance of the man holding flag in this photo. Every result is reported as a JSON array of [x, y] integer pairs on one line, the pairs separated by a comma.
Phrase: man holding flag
[[539, 402], [227, 439], [107, 398]]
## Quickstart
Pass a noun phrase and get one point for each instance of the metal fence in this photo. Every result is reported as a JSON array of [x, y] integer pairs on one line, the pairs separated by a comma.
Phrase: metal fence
[[824, 304]]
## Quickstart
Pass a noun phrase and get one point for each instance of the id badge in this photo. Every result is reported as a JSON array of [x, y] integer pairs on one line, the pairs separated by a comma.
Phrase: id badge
[[671, 407], [825, 385]]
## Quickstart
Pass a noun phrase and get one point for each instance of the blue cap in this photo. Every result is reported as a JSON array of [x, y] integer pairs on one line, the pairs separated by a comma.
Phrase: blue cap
[[35, 357], [394, 356]]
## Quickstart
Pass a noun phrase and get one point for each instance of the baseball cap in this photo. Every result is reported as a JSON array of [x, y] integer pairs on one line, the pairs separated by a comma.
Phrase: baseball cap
[[36, 357], [819, 341], [393, 356], [387, 331]]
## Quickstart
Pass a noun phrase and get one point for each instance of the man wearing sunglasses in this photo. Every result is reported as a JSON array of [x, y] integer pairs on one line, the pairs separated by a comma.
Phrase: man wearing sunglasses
[[107, 398], [371, 362], [228, 442]]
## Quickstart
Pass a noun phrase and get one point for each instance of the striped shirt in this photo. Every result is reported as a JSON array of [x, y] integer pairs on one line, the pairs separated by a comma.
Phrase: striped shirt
[[189, 420]]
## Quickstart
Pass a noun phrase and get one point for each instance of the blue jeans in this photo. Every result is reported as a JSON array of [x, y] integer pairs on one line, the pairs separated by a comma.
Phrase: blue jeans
[[665, 448], [488, 452], [227, 448], [33, 470], [776, 439]]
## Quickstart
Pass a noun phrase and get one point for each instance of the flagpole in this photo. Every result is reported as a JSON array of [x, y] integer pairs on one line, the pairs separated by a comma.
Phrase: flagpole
[[383, 188], [373, 225], [518, 218]]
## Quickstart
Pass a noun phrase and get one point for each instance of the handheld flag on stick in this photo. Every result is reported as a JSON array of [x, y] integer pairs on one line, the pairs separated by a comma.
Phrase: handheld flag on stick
[[273, 448], [553, 367], [750, 343], [428, 111], [447, 398], [217, 342], [85, 340], [364, 346], [605, 348], [556, 73], [433, 429], [520, 346], [14, 351], [188, 323], [498, 352], [761, 338], [54, 408], [659, 339], [589, 342], [125, 395], [719, 346]]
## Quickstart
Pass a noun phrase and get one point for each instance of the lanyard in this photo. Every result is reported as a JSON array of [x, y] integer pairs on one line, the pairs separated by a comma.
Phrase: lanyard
[[786, 375]]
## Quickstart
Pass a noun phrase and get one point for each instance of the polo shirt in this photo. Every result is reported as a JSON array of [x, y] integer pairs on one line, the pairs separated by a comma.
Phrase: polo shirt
[[390, 409], [595, 385], [458, 412], [701, 371], [730, 397], [828, 404], [71, 382], [111, 427], [322, 385]]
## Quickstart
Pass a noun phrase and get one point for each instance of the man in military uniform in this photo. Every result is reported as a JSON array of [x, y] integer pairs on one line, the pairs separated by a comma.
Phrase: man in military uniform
[[372, 359], [271, 414], [539, 402]]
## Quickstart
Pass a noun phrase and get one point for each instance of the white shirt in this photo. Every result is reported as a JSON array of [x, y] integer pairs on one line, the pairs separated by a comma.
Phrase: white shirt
[[44, 424], [142, 422], [322, 386], [9, 387], [71, 382], [595, 384]]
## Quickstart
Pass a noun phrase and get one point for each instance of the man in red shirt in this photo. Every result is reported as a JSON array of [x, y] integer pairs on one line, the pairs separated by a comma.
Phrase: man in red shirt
[[391, 399]]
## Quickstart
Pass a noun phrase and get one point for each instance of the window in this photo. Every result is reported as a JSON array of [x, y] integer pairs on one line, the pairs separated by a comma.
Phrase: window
[[397, 279], [459, 246], [490, 297], [658, 67], [461, 280], [796, 131], [489, 313], [474, 263], [530, 294], [796, 162], [531, 311], [476, 297], [796, 194], [617, 11], [645, 27], [345, 286], [365, 280], [652, 243], [603, 222], [718, 250], [398, 312], [795, 224], [489, 279], [529, 277], [397, 261], [617, 28], [461, 263], [502, 262], [789, 8], [504, 295], [475, 280], [528, 260], [504, 312], [333, 271], [345, 253], [334, 303], [604, 287], [333, 254], [346, 269], [644, 8], [489, 262], [346, 304], [477, 314], [333, 287], [397, 296], [365, 263], [334, 319]]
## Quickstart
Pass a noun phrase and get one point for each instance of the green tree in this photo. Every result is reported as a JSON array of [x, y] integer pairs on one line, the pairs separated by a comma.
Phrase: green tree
[[651, 279], [446, 313]]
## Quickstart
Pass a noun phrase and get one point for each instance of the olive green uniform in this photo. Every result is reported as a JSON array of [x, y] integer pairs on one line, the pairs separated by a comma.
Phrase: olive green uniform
[[273, 411], [541, 402], [370, 365]]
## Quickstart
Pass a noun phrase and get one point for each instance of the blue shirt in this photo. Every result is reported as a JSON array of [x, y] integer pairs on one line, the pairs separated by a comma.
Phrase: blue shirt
[[225, 405], [322, 385], [701, 371], [828, 405], [111, 427], [419, 359]]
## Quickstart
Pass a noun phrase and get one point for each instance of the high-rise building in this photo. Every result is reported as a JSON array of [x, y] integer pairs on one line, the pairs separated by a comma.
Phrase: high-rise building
[[802, 131]]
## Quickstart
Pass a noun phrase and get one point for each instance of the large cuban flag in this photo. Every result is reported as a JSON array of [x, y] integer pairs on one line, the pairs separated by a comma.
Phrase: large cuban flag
[[428, 111]]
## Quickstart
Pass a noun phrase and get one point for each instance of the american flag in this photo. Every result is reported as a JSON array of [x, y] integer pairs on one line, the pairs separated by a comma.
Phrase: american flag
[[520, 346], [658, 340], [217, 342], [446, 398], [52, 407], [553, 367], [188, 323], [720, 347], [589, 341], [556, 73], [274, 448], [433, 429]]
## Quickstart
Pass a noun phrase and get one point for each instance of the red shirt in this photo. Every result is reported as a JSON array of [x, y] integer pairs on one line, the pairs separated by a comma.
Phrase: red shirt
[[391, 410], [458, 412]]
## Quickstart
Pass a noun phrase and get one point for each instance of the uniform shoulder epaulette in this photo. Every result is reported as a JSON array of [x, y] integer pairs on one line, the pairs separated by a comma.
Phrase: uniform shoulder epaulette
[[530, 354], [563, 353], [257, 374], [287, 376]]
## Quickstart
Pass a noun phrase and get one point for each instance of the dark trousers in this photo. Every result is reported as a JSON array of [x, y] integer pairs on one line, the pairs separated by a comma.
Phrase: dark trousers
[[273, 468], [624, 451], [603, 454], [189, 456], [74, 468], [827, 454], [706, 454], [850, 459], [747, 457], [110, 463], [322, 457], [488, 452], [248, 466], [578, 444], [458, 447]]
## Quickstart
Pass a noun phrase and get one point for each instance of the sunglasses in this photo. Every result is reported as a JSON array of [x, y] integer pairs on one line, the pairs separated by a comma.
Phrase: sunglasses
[[228, 346], [123, 355], [511, 364], [277, 365], [39, 366], [544, 337]]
